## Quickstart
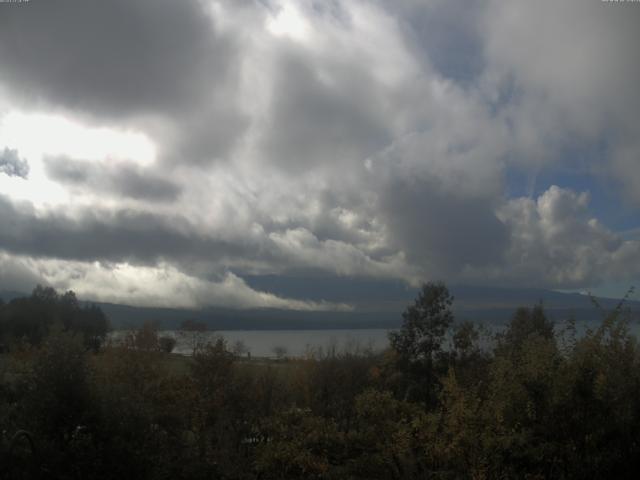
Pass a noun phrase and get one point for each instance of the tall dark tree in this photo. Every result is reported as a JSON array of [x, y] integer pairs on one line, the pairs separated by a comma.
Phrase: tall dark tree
[[527, 322], [425, 324], [418, 344]]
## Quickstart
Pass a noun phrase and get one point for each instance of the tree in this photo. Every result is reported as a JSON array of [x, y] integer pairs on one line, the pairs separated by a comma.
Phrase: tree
[[58, 398], [167, 344], [31, 318], [301, 445], [467, 355], [279, 351], [194, 334], [46, 295], [239, 348], [146, 337], [94, 327], [90, 321], [211, 371], [527, 322], [425, 324], [418, 344]]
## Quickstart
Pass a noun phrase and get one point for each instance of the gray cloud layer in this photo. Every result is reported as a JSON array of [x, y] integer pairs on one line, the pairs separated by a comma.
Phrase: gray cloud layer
[[123, 235], [160, 65], [366, 138], [117, 58], [126, 179]]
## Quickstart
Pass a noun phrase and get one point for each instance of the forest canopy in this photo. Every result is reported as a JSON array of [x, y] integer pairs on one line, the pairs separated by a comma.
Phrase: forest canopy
[[31, 319], [445, 400]]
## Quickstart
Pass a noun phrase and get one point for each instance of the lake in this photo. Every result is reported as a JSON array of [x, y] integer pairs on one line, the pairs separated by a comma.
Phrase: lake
[[292, 343], [298, 343]]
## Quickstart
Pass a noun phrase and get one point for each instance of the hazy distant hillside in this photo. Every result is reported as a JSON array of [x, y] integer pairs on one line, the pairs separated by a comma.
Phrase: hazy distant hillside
[[10, 295], [497, 304], [482, 304]]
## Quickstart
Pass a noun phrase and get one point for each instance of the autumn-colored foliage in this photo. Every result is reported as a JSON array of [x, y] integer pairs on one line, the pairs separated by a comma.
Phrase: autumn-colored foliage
[[534, 401]]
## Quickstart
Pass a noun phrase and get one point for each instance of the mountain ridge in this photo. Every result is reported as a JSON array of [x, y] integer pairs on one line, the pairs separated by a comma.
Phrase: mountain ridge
[[490, 305]]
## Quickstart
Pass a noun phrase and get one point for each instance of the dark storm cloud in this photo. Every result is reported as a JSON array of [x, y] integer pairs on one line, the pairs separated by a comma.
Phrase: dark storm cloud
[[323, 123], [124, 235], [442, 230], [123, 179], [326, 287], [127, 60], [11, 164], [116, 58]]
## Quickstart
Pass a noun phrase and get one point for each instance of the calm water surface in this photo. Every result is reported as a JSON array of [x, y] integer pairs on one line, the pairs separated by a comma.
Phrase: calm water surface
[[293, 343], [298, 343]]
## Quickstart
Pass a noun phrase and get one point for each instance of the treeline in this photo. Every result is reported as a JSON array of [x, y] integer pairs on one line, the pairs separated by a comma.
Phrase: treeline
[[29, 320], [439, 403]]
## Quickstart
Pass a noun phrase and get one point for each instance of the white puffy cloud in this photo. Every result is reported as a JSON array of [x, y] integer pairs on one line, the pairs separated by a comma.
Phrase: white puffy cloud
[[554, 242]]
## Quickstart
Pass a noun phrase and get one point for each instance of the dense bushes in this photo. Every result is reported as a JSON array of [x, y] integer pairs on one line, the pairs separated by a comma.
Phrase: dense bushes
[[435, 405]]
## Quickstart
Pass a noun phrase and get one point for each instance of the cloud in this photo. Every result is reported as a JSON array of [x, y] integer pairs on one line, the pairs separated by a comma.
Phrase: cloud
[[162, 66], [15, 275], [114, 58], [362, 138], [143, 238], [318, 124], [12, 165], [441, 231], [301, 247], [117, 236], [118, 178], [567, 76], [159, 286], [447, 32], [554, 242]]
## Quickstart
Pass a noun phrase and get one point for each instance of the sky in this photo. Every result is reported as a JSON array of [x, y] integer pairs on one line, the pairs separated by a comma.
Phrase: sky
[[252, 153]]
